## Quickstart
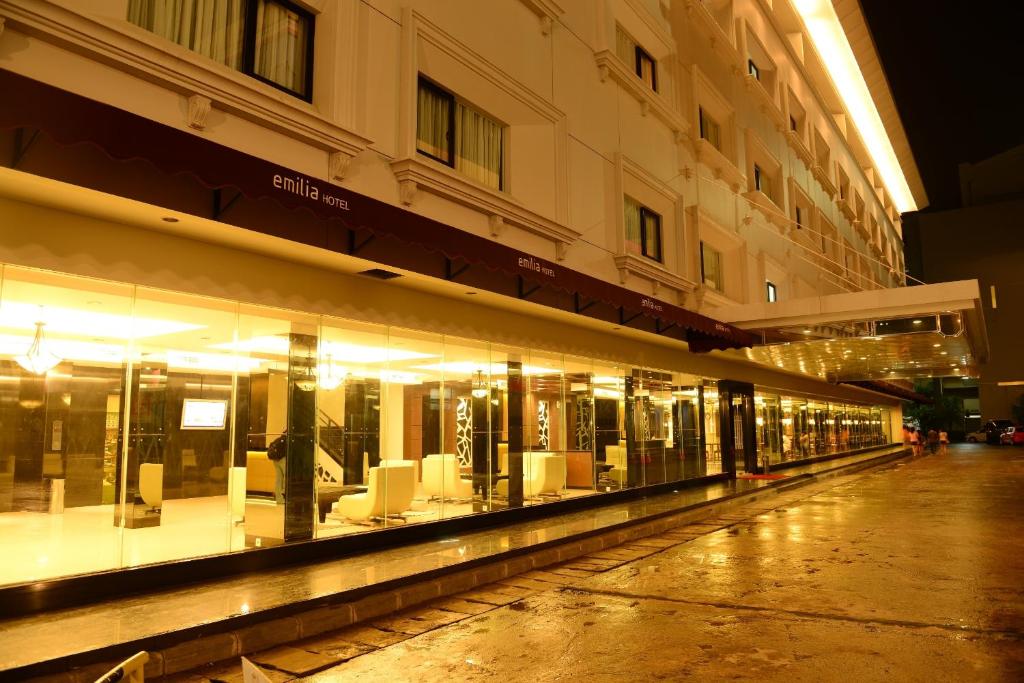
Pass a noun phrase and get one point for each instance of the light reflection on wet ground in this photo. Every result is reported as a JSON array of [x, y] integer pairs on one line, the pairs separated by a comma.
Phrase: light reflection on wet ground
[[905, 573]]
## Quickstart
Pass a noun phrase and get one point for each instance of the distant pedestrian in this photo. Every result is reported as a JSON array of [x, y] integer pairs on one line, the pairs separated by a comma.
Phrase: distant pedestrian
[[943, 441], [933, 441], [915, 440]]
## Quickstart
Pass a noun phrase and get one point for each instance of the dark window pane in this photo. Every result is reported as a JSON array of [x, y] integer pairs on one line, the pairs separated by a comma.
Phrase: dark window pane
[[281, 46]]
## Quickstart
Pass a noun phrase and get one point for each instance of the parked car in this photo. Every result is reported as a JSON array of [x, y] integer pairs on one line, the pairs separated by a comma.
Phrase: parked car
[[994, 429], [976, 437], [1012, 436]]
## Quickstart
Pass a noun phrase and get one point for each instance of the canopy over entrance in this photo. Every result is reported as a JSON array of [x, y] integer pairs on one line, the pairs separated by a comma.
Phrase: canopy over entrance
[[886, 334]]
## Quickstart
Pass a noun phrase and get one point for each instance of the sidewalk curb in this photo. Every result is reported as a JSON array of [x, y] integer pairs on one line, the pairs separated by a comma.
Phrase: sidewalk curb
[[192, 647]]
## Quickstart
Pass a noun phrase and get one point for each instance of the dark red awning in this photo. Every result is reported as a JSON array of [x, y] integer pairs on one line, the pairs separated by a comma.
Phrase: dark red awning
[[71, 119]]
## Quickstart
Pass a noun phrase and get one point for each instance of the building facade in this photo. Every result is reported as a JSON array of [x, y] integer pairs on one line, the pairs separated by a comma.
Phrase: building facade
[[978, 240], [277, 271]]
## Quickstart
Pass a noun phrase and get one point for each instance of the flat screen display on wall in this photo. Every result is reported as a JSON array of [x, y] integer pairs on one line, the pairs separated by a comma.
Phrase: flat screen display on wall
[[201, 413]]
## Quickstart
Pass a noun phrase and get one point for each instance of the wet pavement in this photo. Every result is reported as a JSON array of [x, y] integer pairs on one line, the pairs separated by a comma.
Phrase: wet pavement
[[912, 571]]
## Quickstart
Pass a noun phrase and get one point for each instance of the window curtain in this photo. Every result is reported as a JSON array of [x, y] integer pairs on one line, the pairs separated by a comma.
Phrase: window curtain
[[652, 235], [280, 51], [433, 121], [633, 231], [625, 47], [212, 28], [477, 146], [712, 267]]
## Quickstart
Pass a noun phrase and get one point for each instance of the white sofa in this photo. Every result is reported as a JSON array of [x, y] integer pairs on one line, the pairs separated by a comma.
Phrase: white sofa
[[389, 492], [543, 473], [441, 477]]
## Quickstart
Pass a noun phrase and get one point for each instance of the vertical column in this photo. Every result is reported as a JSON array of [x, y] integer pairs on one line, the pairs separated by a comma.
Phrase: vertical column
[[299, 494], [702, 437], [515, 433], [634, 449], [726, 436], [749, 435]]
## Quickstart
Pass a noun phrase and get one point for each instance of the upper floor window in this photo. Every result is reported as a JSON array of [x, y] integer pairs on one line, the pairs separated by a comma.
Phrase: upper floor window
[[458, 135], [772, 292], [763, 182], [630, 52], [753, 70], [711, 267], [271, 40], [844, 183], [709, 129], [643, 230]]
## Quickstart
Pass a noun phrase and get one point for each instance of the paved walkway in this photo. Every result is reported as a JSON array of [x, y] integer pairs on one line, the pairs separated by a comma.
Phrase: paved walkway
[[910, 572], [129, 621]]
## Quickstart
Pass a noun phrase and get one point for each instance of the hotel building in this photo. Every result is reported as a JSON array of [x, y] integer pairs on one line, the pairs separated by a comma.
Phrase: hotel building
[[284, 275]]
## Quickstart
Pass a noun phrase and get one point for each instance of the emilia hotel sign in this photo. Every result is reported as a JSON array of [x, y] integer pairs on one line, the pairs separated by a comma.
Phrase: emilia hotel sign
[[301, 186]]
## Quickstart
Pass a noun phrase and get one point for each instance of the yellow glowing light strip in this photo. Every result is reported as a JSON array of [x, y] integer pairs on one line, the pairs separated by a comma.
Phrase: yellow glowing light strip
[[830, 41]]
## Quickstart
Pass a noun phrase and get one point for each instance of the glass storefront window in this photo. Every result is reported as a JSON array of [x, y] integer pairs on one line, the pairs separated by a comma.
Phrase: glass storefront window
[[712, 445], [143, 426]]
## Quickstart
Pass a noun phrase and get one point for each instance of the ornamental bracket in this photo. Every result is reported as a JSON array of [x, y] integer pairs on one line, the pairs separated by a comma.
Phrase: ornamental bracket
[[198, 111]]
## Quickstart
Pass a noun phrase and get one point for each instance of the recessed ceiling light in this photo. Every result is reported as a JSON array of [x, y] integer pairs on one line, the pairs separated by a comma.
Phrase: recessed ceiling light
[[918, 322], [169, 219], [944, 353], [936, 345]]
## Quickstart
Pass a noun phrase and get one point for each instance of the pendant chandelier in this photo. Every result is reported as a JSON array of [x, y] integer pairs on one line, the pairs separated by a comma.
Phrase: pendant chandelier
[[479, 388], [38, 359]]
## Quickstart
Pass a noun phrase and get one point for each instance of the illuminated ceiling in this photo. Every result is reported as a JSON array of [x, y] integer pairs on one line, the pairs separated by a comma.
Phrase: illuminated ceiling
[[904, 333], [831, 44]]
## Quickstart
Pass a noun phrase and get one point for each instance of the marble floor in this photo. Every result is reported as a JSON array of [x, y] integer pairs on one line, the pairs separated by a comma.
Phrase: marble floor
[[84, 540], [34, 638]]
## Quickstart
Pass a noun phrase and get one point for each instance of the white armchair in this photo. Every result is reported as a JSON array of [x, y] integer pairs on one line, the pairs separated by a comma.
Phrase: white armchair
[[441, 477], [151, 484], [543, 472], [389, 492]]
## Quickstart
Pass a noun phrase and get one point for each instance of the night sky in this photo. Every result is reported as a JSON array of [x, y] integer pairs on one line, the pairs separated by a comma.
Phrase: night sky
[[956, 70]]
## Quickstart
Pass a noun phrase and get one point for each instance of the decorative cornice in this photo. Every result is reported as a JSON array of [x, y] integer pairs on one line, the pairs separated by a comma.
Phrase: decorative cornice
[[137, 52], [765, 103], [797, 144], [653, 271], [609, 65], [720, 166], [768, 208], [415, 175], [846, 209], [547, 11], [821, 175], [716, 35]]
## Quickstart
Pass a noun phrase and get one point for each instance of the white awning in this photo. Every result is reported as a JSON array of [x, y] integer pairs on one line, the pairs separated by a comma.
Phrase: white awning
[[884, 334]]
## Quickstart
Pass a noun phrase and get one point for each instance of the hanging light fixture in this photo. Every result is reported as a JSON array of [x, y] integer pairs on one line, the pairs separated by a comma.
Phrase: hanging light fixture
[[479, 388], [307, 380], [38, 359], [329, 379]]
